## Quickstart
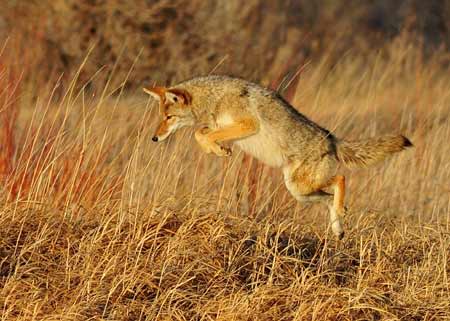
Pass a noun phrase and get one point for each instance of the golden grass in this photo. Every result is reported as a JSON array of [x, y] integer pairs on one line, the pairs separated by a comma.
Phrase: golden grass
[[99, 223]]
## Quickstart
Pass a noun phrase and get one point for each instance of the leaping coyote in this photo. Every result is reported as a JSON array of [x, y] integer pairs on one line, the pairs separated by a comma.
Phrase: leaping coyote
[[264, 125]]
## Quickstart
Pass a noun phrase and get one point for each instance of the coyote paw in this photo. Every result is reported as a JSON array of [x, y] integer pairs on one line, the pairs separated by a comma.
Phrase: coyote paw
[[215, 148], [222, 151], [209, 146], [336, 223], [336, 227]]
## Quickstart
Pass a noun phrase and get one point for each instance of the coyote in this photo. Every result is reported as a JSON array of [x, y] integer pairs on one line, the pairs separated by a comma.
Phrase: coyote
[[261, 123]]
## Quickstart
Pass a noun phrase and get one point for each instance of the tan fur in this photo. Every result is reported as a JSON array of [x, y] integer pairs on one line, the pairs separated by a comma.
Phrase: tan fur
[[158, 92], [370, 151], [264, 125]]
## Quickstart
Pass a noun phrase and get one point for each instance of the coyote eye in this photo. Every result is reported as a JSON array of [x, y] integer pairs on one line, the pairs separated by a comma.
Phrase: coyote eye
[[175, 99], [168, 117]]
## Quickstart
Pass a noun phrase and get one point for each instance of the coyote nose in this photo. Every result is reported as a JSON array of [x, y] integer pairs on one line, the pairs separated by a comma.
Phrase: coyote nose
[[155, 138]]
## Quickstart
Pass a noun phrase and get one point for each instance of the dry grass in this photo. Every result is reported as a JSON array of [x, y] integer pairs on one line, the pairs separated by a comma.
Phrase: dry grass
[[99, 223]]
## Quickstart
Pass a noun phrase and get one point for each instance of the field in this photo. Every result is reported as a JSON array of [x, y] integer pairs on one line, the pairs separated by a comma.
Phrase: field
[[100, 223]]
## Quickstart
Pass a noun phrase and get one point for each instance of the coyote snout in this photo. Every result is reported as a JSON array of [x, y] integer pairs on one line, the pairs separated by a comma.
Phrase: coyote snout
[[167, 126]]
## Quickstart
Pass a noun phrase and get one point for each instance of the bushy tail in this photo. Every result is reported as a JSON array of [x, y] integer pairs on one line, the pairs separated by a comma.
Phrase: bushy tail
[[364, 153]]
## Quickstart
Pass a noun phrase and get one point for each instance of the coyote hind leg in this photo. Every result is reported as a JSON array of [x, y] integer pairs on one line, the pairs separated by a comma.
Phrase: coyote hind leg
[[303, 189], [337, 210], [338, 183]]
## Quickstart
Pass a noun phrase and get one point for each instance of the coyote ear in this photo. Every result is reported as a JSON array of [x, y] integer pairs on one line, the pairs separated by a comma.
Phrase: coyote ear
[[156, 92], [176, 95]]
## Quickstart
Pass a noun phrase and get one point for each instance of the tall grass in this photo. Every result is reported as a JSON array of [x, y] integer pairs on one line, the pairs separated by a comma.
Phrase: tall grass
[[100, 223]]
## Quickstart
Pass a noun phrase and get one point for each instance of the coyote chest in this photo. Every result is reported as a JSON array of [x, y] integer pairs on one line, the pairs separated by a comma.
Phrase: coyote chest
[[263, 145]]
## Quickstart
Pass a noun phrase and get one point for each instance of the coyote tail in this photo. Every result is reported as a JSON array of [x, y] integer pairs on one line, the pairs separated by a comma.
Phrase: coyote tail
[[363, 153]]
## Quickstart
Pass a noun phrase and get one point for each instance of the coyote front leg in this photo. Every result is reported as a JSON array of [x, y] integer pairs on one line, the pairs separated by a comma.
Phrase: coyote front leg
[[208, 138], [208, 146]]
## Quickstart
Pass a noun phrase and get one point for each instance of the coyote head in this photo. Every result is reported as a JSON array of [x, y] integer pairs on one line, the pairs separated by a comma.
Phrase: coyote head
[[175, 109]]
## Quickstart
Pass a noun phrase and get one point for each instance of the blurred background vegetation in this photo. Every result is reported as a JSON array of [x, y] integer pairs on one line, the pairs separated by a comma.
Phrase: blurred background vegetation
[[98, 223], [167, 40]]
